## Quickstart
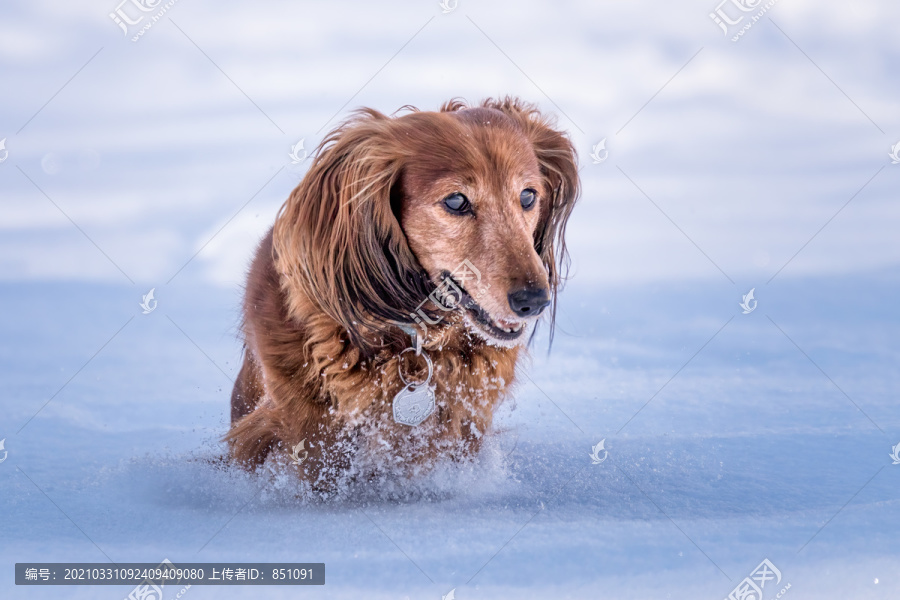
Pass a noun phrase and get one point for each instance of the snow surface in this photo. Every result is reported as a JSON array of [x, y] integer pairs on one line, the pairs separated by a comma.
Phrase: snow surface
[[745, 454]]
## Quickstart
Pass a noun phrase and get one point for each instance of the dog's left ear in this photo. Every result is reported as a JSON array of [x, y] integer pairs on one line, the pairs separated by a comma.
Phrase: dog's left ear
[[559, 166]]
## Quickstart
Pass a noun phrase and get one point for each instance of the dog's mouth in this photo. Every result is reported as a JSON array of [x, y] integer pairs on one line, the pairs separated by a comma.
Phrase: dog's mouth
[[482, 322]]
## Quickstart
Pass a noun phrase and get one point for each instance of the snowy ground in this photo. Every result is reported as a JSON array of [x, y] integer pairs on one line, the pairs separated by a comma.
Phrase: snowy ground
[[747, 453], [731, 437]]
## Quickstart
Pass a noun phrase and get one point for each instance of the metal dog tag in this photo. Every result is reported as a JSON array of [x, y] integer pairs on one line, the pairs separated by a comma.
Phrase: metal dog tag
[[415, 402]]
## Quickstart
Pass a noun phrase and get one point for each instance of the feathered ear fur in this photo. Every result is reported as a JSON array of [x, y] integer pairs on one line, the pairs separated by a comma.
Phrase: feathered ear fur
[[337, 239], [559, 164]]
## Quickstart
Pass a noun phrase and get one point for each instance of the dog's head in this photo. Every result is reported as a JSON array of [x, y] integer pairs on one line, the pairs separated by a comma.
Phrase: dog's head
[[473, 201]]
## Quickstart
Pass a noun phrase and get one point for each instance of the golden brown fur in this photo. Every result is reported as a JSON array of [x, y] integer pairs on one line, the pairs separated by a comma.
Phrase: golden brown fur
[[357, 247]]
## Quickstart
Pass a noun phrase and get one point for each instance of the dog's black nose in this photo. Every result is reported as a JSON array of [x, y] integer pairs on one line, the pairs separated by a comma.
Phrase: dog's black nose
[[529, 302]]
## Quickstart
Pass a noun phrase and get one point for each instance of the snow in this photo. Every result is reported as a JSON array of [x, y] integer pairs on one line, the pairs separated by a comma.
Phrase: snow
[[745, 454]]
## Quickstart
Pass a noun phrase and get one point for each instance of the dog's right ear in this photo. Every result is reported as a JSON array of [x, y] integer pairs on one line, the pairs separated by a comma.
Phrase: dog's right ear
[[559, 164], [338, 242]]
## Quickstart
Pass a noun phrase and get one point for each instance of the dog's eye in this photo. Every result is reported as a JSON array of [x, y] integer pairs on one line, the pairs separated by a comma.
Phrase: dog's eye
[[528, 197], [458, 204]]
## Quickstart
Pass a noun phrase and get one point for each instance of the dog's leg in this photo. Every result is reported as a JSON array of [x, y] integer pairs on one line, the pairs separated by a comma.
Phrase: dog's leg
[[252, 438], [247, 389]]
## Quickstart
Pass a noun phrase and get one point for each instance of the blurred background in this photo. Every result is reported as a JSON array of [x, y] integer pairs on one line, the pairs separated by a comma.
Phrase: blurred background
[[156, 145], [149, 146]]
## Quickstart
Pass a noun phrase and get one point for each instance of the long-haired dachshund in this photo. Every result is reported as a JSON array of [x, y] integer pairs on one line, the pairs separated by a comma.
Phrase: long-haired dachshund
[[387, 307]]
